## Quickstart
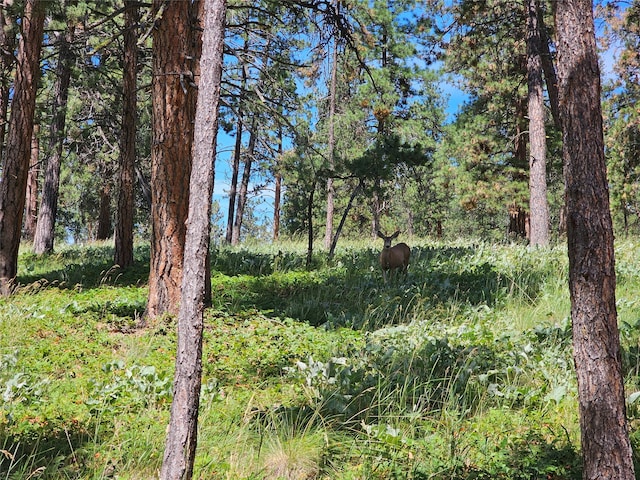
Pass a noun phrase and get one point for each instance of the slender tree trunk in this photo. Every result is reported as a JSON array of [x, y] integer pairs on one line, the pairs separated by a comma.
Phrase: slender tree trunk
[[518, 217], [237, 151], [355, 192], [31, 202], [310, 224], [244, 186], [17, 153], [278, 189], [104, 217], [551, 78], [180, 449], [606, 448], [7, 46], [123, 253], [173, 112], [376, 209], [233, 185], [330, 149], [538, 206], [45, 229]]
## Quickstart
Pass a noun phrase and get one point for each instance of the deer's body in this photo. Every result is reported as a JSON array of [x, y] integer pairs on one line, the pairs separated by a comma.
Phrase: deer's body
[[393, 258]]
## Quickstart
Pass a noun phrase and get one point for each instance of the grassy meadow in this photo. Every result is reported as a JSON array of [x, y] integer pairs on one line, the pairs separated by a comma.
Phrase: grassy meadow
[[463, 370]]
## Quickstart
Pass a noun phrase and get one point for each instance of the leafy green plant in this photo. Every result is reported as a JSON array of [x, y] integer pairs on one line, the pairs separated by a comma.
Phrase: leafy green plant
[[463, 370]]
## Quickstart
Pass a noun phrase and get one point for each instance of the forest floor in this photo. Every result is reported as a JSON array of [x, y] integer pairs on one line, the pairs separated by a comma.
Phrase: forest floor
[[461, 370]]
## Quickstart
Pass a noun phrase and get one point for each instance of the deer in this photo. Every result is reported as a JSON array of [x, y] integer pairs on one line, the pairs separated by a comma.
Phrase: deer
[[393, 258]]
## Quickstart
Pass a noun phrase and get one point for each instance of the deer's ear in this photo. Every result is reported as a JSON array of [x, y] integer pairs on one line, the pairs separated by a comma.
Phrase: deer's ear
[[395, 234], [380, 234]]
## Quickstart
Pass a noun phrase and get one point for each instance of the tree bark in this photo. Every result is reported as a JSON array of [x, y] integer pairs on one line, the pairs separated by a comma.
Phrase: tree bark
[[104, 216], [123, 253], [538, 205], [45, 229], [606, 448], [180, 449], [173, 112], [18, 149], [550, 75], [31, 202], [7, 44]]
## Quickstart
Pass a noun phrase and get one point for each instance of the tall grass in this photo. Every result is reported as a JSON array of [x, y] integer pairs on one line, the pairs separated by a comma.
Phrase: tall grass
[[461, 370]]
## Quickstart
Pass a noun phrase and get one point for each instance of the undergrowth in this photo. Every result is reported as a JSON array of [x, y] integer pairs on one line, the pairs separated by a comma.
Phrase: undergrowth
[[461, 370]]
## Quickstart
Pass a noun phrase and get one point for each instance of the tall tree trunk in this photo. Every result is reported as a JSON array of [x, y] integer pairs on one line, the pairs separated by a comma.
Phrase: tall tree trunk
[[278, 189], [518, 217], [237, 150], [244, 185], [123, 253], [233, 185], [550, 75], [606, 448], [331, 146], [104, 216], [180, 448], [45, 230], [173, 112], [538, 205], [31, 202], [17, 153], [7, 47]]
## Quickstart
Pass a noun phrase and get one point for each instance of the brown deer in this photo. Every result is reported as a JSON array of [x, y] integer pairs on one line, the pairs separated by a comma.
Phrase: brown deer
[[393, 258]]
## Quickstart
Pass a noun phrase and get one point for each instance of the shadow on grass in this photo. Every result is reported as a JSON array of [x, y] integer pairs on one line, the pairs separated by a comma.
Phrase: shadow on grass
[[89, 267], [66, 452], [350, 290]]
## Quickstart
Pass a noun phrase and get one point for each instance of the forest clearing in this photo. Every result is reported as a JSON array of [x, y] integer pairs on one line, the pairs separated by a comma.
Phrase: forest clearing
[[462, 371], [162, 162]]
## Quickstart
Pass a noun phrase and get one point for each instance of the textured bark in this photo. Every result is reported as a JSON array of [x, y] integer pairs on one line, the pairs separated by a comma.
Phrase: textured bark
[[18, 149], [605, 442], [550, 75], [123, 253], [538, 205], [45, 230], [173, 112], [31, 202], [7, 44], [180, 449]]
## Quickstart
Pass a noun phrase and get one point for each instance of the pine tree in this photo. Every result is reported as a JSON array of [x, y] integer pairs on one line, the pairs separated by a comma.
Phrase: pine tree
[[606, 448], [15, 162]]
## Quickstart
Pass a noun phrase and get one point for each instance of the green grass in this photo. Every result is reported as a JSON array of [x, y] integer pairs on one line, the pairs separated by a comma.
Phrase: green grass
[[463, 370]]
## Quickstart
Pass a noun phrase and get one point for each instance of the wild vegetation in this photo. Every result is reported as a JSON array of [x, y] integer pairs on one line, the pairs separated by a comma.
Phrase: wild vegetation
[[463, 370]]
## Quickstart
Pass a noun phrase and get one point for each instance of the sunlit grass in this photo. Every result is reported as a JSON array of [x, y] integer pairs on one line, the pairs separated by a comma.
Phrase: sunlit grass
[[461, 370]]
